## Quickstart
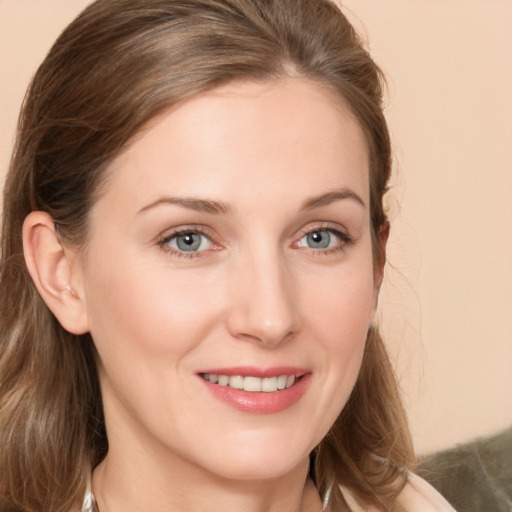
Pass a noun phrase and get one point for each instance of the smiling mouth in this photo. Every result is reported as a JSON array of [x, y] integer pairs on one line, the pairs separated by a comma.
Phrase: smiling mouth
[[252, 384]]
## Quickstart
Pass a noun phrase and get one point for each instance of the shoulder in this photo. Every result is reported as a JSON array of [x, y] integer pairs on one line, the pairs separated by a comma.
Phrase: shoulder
[[420, 496], [416, 496]]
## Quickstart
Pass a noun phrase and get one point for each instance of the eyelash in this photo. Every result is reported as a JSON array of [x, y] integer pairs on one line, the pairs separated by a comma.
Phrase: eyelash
[[165, 240], [345, 239]]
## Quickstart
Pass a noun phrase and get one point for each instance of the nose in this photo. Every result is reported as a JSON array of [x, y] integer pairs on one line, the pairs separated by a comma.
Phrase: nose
[[263, 301]]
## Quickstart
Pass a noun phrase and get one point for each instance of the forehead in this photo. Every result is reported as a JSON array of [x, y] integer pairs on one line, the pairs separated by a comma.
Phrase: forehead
[[281, 132]]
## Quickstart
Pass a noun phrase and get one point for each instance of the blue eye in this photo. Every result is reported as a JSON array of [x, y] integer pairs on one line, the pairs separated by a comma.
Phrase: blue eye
[[319, 239], [189, 241], [322, 239]]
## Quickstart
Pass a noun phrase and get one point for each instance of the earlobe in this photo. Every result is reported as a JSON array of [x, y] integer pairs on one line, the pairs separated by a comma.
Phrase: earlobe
[[50, 266]]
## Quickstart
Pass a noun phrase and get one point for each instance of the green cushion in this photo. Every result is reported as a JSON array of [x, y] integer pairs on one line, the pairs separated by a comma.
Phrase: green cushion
[[474, 477]]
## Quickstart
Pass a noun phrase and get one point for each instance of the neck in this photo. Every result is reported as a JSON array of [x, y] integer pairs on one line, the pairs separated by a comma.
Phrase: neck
[[137, 487]]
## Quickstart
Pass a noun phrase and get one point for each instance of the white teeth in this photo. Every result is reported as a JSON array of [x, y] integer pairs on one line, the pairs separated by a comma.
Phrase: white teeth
[[223, 380], [269, 384], [290, 380], [253, 384], [236, 381]]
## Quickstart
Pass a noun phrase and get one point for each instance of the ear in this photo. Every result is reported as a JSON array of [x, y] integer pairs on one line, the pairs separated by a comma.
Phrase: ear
[[50, 265], [378, 274]]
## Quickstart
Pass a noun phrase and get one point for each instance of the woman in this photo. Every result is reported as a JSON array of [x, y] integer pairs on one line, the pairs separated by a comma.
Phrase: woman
[[192, 249]]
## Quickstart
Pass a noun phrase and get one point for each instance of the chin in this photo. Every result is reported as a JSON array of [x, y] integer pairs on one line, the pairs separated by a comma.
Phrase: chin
[[249, 470], [259, 461]]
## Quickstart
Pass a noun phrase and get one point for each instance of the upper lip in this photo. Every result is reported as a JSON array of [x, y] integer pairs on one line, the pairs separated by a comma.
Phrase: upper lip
[[253, 371]]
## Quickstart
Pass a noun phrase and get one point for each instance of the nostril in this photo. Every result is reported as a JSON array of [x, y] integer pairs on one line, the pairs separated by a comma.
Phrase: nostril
[[266, 338]]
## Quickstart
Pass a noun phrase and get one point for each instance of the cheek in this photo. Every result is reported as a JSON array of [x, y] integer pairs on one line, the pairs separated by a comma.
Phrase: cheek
[[341, 304], [147, 311], [342, 330], [339, 318]]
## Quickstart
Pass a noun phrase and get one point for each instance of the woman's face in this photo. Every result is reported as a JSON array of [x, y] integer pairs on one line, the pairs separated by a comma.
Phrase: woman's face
[[232, 240]]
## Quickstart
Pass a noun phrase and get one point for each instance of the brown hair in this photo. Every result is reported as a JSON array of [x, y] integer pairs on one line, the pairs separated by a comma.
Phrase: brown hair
[[120, 63]]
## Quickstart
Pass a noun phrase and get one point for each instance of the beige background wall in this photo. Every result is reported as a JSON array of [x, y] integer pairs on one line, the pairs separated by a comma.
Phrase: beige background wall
[[447, 300]]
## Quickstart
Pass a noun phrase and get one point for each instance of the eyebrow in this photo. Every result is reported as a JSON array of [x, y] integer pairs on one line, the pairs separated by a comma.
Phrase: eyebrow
[[192, 203], [330, 197], [220, 208]]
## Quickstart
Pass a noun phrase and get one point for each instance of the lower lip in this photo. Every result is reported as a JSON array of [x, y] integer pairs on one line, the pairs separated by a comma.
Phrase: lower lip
[[260, 402]]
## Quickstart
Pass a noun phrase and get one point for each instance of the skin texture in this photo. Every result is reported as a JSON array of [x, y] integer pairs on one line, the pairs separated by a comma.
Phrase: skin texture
[[254, 294]]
